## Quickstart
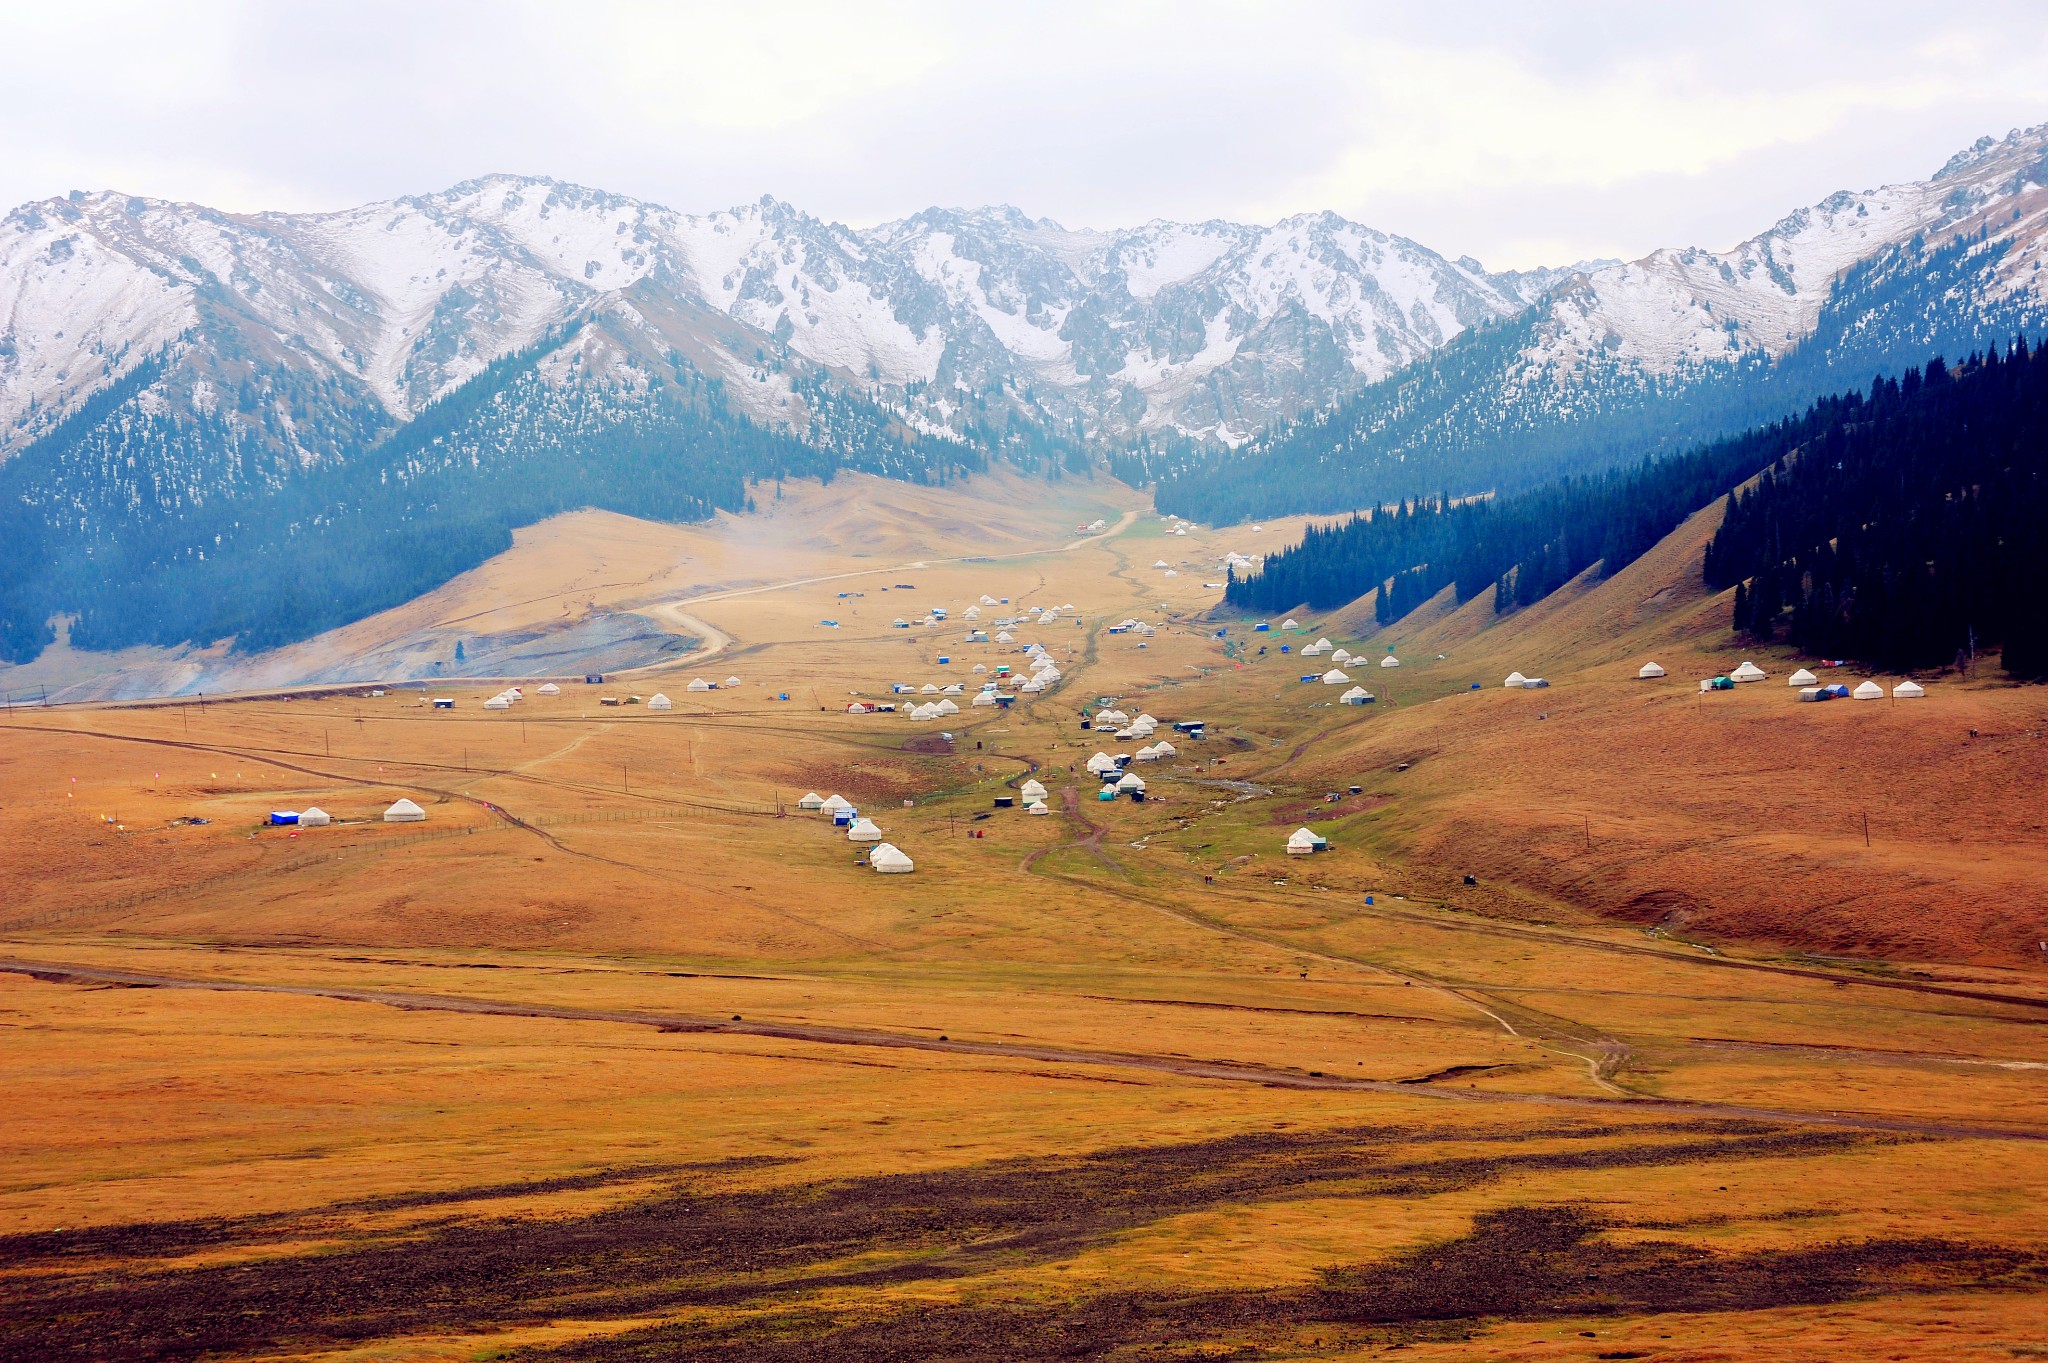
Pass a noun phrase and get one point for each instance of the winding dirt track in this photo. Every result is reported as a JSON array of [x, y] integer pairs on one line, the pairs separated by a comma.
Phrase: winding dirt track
[[1226, 1071]]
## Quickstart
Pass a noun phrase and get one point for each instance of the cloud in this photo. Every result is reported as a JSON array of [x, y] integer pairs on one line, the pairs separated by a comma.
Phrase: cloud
[[1517, 133]]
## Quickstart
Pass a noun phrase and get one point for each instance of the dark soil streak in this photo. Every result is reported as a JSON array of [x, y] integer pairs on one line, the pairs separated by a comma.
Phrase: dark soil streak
[[685, 1247], [1519, 1263]]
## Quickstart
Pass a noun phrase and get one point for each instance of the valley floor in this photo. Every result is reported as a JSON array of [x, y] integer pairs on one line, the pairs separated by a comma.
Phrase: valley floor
[[619, 1056]]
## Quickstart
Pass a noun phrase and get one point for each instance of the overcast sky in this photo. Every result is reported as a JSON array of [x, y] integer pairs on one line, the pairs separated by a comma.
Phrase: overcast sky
[[1522, 133]]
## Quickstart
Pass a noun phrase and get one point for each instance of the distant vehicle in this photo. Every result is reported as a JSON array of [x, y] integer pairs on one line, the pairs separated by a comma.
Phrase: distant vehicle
[[906, 586]]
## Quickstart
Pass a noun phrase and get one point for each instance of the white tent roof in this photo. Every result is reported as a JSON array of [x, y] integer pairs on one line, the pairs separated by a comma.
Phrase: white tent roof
[[1390, 661], [835, 803], [864, 830], [1803, 678], [314, 817], [1289, 623], [1131, 781], [660, 702], [698, 684], [497, 703], [1905, 690], [952, 689], [1650, 670], [1160, 564], [1334, 678], [1748, 672], [946, 707], [1005, 637], [1305, 837], [811, 801], [404, 811], [1038, 807], [550, 689], [887, 858], [1356, 695], [1147, 753], [983, 698], [1870, 690], [732, 681], [1100, 762], [1515, 679], [1165, 749], [928, 689], [980, 668]]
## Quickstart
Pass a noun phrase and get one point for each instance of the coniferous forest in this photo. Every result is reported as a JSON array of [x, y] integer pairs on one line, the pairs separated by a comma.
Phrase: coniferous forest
[[1903, 527]]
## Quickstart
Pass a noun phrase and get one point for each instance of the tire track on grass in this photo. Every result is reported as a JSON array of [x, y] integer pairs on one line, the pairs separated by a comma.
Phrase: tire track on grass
[[1226, 1071]]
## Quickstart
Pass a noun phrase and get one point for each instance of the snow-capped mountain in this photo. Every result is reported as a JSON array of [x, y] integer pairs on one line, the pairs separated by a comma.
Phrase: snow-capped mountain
[[1617, 360], [1205, 328]]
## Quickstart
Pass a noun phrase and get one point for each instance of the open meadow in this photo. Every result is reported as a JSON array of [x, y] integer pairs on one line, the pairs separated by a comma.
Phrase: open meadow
[[1616, 1021]]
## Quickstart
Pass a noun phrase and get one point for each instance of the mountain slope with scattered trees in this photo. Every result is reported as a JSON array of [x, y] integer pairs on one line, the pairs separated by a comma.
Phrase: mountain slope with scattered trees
[[1900, 527]]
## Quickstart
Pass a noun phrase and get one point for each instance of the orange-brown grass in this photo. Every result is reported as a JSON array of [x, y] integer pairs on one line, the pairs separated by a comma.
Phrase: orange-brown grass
[[1128, 1065]]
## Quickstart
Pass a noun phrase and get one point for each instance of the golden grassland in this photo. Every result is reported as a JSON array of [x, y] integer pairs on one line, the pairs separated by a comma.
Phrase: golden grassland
[[619, 1056]]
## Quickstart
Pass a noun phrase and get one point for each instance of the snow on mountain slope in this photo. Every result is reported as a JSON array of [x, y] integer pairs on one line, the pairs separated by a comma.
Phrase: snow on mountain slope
[[1688, 306], [410, 298]]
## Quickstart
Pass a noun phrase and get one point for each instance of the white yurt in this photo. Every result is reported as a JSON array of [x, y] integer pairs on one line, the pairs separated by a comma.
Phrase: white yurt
[[945, 707], [1034, 789], [856, 709], [1870, 690], [699, 684], [864, 830], [1357, 695], [1803, 678], [1165, 749], [1390, 661], [1131, 781], [1905, 690], [1303, 841], [314, 817], [982, 698], [832, 804], [550, 689], [952, 689], [732, 681], [1289, 623], [660, 702], [1038, 807], [980, 668], [497, 703], [1341, 656], [811, 801], [886, 858], [1748, 672], [1005, 637], [1101, 763], [1334, 678], [1650, 670], [928, 689], [1514, 681], [1145, 754], [404, 811]]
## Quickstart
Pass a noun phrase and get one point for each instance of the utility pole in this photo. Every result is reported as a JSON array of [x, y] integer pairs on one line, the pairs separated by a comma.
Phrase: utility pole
[[625, 779], [1589, 831], [1866, 828]]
